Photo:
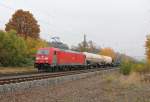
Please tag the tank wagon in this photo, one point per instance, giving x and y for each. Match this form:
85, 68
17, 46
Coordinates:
55, 59
97, 60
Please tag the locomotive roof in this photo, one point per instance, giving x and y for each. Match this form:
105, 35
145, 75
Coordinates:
70, 51
62, 50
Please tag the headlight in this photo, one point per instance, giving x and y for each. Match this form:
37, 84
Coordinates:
37, 58
46, 58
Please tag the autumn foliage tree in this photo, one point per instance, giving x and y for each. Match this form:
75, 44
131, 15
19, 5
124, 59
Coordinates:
24, 23
86, 46
147, 46
108, 52
34, 44
16, 51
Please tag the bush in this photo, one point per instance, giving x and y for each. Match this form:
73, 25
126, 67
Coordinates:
138, 67
12, 49
125, 67
16, 51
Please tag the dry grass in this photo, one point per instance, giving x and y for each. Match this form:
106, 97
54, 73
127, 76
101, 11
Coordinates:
110, 78
11, 70
132, 79
130, 88
102, 88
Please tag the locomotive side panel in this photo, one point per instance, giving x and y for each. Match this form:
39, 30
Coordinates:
67, 58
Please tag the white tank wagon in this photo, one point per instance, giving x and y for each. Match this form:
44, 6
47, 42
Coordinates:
97, 59
107, 59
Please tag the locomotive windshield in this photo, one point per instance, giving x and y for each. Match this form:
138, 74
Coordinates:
43, 52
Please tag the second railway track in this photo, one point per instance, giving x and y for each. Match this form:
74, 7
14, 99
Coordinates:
23, 78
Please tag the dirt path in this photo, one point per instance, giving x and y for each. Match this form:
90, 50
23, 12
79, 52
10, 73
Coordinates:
106, 88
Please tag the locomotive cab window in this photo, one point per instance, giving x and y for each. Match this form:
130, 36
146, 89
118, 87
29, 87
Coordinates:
43, 52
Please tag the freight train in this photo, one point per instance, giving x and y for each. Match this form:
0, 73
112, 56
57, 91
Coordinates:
55, 59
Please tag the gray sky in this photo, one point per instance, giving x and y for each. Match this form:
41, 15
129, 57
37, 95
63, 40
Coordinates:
120, 24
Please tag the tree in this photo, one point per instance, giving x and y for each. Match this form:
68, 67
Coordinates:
12, 49
33, 45
24, 23
56, 42
82, 46
86, 46
108, 52
147, 46
92, 47
59, 45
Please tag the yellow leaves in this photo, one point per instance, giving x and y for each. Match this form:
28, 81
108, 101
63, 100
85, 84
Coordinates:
34, 44
147, 46
108, 52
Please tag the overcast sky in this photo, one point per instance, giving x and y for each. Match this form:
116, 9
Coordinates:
120, 24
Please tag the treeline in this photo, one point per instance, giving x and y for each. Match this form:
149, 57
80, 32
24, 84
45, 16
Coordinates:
91, 47
20, 40
17, 51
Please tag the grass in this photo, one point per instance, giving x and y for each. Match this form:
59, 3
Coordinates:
109, 78
131, 88
133, 80
15, 70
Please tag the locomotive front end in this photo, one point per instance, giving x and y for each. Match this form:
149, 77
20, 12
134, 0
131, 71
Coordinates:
42, 59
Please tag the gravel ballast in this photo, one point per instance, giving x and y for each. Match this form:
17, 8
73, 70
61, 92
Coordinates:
12, 87
99, 88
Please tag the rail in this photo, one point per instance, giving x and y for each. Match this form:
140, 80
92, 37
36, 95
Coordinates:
22, 78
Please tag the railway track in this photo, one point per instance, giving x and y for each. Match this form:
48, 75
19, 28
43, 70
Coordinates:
23, 78
17, 74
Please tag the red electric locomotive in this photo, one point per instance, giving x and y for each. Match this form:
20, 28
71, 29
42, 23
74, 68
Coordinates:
54, 59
